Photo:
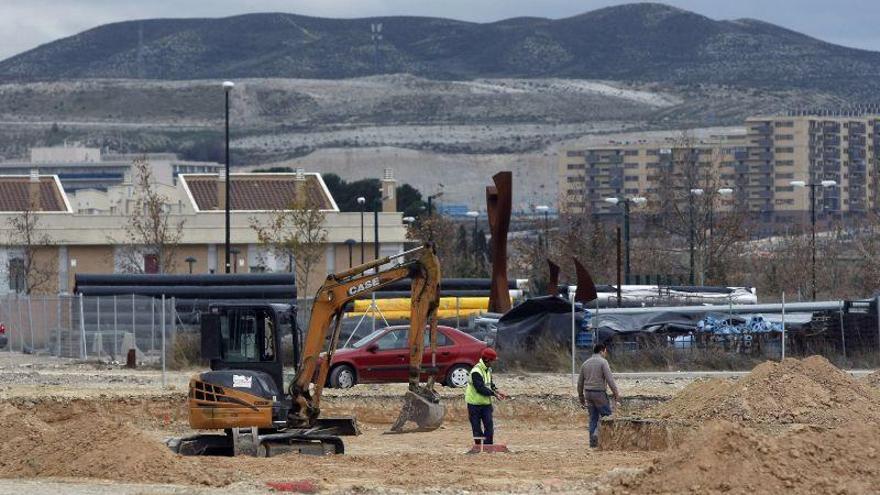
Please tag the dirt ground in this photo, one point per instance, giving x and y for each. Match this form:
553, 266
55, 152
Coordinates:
91, 428
73, 427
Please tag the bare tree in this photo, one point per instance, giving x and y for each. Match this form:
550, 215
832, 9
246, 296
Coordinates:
150, 230
24, 233
687, 207
295, 233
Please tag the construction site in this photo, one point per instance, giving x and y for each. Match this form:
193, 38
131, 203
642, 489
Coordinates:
793, 427
230, 383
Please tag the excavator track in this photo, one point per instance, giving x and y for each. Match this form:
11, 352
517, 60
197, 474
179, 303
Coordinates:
244, 442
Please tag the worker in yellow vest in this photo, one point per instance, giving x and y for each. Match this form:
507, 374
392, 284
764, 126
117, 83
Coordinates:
478, 395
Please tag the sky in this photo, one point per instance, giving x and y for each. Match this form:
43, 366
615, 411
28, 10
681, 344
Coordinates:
26, 24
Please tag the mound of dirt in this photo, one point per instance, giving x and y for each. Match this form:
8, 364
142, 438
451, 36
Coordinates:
809, 391
872, 380
730, 458
17, 422
93, 446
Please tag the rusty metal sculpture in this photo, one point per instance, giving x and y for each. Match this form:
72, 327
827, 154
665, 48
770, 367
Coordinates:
499, 203
553, 283
586, 289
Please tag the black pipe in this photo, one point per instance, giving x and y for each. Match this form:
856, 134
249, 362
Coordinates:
282, 292
86, 279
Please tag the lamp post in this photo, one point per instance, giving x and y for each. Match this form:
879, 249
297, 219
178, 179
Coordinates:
235, 252
430, 212
362, 201
350, 243
692, 235
636, 200
475, 215
190, 260
227, 88
813, 186
546, 211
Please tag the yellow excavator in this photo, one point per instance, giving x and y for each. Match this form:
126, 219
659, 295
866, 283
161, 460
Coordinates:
241, 395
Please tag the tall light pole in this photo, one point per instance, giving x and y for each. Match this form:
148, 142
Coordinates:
362, 201
350, 243
227, 88
637, 200
475, 215
546, 211
693, 230
813, 186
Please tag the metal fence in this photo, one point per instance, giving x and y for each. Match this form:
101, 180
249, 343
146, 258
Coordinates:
105, 327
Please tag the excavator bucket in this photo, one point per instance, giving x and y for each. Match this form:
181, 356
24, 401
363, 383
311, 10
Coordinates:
424, 409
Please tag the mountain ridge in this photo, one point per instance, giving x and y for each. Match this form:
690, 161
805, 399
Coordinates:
644, 42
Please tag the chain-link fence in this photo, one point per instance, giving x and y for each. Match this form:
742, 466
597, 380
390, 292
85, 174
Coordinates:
105, 327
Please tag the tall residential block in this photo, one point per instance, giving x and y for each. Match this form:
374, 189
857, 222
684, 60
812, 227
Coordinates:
758, 164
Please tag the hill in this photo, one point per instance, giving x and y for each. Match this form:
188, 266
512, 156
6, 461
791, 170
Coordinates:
635, 42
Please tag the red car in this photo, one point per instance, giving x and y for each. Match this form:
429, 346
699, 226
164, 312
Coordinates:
383, 357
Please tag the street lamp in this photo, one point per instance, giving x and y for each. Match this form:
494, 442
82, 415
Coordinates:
813, 186
227, 88
693, 230
190, 260
475, 215
350, 243
546, 210
362, 201
235, 252
637, 200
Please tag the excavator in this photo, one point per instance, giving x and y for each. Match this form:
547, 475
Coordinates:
241, 395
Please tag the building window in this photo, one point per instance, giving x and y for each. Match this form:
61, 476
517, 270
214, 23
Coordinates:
576, 166
631, 153
151, 263
631, 178
575, 153
784, 162
784, 137
785, 150
17, 275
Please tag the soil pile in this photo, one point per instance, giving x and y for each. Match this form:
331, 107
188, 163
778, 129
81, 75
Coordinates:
872, 380
810, 391
17, 422
93, 446
734, 459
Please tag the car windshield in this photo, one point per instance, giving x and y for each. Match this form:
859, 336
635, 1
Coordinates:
366, 340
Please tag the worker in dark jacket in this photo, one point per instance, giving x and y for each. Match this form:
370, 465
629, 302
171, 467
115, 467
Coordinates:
478, 395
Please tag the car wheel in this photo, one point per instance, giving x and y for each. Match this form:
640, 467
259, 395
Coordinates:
458, 376
342, 376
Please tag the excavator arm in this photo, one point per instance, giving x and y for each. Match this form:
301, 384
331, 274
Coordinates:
423, 268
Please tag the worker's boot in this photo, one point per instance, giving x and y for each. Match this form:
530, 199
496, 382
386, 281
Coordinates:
594, 441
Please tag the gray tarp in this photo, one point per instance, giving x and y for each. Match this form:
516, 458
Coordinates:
550, 318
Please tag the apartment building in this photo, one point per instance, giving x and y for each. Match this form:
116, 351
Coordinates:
758, 164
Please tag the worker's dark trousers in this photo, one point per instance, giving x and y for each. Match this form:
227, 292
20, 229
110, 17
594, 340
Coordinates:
481, 423
598, 405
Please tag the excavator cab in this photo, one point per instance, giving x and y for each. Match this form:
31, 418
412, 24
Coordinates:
244, 390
